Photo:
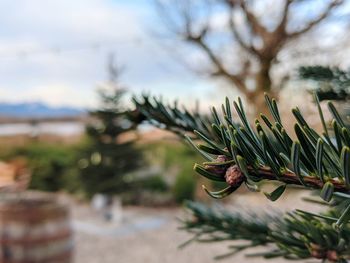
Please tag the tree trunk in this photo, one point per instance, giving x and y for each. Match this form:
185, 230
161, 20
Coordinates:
263, 84
263, 81
256, 99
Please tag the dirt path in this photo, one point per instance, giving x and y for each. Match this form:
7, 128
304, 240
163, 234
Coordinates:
151, 236
157, 243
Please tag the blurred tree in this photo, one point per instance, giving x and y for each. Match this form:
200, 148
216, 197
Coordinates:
255, 31
111, 155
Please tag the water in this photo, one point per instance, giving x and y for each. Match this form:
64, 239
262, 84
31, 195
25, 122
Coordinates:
66, 128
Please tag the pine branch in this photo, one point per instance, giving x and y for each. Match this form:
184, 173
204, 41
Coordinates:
291, 178
334, 83
238, 153
250, 155
171, 118
297, 235
215, 225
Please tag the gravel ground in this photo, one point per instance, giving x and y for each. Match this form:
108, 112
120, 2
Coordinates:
151, 235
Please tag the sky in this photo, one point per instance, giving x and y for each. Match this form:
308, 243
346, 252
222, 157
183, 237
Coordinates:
56, 51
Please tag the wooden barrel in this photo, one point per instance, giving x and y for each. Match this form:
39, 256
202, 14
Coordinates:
34, 229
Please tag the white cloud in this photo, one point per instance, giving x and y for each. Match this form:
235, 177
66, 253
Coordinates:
59, 76
33, 68
76, 20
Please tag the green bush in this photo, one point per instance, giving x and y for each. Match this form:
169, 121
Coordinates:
151, 190
53, 166
184, 186
154, 183
175, 160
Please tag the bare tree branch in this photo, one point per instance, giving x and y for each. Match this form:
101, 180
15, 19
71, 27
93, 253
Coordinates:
281, 28
220, 69
333, 4
199, 39
253, 21
246, 46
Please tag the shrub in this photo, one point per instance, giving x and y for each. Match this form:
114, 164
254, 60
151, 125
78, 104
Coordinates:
154, 183
53, 166
184, 187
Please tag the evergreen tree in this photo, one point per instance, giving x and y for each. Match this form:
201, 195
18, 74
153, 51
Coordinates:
110, 155
238, 153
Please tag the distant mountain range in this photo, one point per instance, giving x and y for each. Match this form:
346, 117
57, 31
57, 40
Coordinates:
37, 110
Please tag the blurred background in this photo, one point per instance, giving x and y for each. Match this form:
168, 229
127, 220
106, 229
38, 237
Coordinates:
69, 71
